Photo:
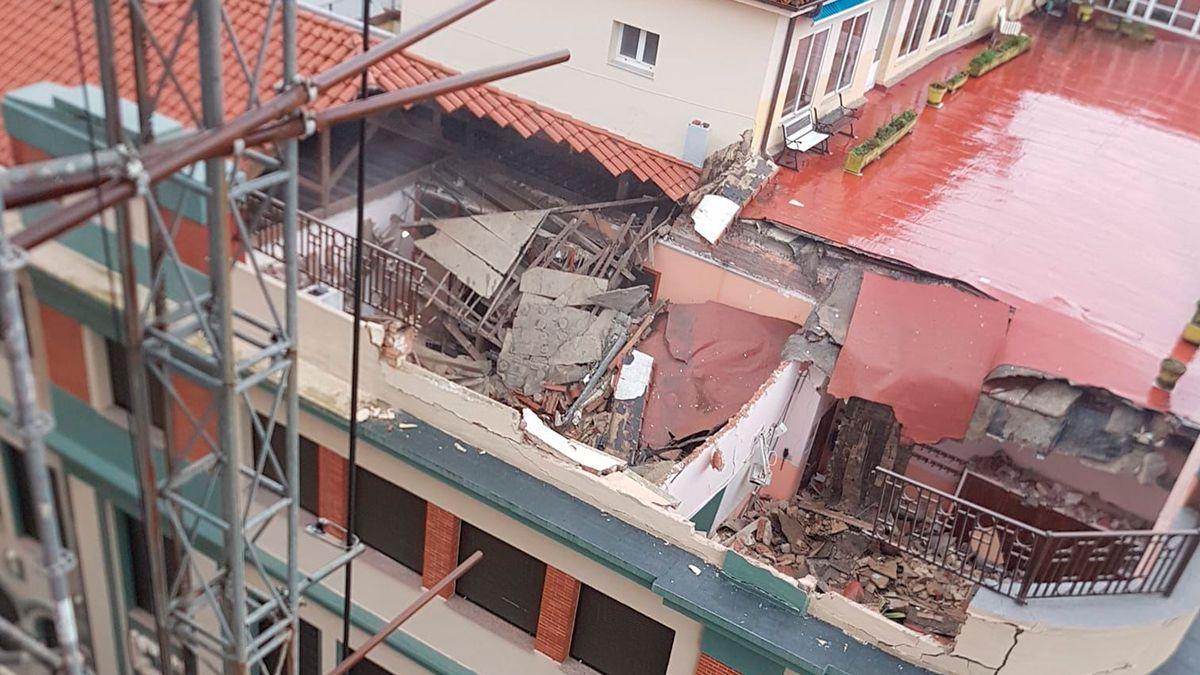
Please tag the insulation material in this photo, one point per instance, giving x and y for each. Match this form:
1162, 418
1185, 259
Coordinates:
709, 359
922, 349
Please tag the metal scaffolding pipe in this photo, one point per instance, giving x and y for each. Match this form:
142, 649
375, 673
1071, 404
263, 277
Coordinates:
430, 593
115, 190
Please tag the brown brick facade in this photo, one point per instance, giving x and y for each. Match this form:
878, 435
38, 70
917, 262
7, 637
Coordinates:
331, 485
441, 547
556, 619
707, 665
63, 343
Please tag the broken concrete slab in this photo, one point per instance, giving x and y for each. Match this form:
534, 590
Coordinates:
622, 299
566, 288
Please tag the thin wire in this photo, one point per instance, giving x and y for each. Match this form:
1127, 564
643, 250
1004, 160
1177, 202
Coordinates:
352, 459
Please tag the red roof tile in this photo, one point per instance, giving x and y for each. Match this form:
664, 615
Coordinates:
36, 44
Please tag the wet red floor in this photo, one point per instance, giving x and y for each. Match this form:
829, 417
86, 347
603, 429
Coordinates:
1066, 183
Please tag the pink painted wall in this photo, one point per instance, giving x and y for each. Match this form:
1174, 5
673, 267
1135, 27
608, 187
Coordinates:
1122, 489
687, 279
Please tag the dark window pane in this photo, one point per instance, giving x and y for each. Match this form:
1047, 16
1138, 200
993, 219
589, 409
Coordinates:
308, 461
507, 582
118, 377
629, 41
310, 649
650, 54
390, 519
139, 562
615, 639
24, 511
369, 667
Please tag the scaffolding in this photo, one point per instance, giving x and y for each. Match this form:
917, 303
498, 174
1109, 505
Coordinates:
206, 484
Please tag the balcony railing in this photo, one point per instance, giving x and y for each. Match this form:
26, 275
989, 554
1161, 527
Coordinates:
326, 256
1020, 561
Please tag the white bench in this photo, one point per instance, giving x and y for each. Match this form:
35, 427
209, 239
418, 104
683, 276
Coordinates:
800, 134
1004, 26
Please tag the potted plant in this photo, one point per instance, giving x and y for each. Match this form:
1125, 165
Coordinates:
1107, 24
981, 63
885, 137
956, 81
937, 91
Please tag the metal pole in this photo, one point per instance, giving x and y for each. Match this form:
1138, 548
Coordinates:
32, 426
355, 337
291, 200
140, 416
233, 596
422, 600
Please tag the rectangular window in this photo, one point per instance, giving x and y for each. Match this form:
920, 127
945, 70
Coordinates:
24, 511
390, 520
122, 392
308, 460
368, 667
969, 12
810, 54
845, 57
310, 649
915, 29
507, 582
142, 593
943, 18
636, 47
613, 638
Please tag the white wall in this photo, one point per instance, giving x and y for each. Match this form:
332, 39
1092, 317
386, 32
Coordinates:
715, 61
698, 481
895, 67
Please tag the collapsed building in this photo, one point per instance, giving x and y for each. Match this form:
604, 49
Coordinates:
782, 442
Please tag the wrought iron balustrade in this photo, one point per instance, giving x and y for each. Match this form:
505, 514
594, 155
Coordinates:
326, 256
1018, 560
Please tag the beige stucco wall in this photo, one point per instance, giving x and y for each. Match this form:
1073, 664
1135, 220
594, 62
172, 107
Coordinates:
714, 61
893, 67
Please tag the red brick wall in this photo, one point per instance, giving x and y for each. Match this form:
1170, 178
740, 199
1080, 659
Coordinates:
23, 153
332, 475
707, 665
183, 431
556, 619
63, 346
441, 547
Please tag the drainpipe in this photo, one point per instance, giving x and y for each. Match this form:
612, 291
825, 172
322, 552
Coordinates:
787, 49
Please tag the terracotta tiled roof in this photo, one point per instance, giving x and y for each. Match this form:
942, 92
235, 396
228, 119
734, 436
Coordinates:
37, 43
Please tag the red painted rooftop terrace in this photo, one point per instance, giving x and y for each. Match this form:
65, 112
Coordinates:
1063, 183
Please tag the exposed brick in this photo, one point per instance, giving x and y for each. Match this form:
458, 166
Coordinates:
23, 153
707, 665
331, 485
199, 403
441, 547
63, 346
556, 619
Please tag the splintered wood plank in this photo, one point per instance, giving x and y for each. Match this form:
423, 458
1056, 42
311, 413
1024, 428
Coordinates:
495, 251
465, 265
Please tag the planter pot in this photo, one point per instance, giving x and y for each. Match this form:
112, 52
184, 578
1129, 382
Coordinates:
953, 85
856, 163
935, 96
1083, 13
1002, 57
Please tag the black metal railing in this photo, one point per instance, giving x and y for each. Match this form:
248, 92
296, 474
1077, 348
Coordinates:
1018, 560
326, 256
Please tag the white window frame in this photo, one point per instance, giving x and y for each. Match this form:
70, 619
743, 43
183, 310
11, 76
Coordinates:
970, 12
837, 70
943, 21
910, 43
808, 56
636, 63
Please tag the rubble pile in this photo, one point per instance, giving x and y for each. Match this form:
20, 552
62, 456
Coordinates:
1039, 491
800, 539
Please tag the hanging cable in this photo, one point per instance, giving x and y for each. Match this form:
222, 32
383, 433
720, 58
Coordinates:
352, 450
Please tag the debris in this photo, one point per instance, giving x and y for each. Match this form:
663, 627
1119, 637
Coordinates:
695, 570
564, 288
460, 447
586, 457
625, 300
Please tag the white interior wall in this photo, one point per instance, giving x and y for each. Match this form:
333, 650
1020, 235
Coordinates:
695, 484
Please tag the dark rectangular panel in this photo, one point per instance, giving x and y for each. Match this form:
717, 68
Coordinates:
390, 519
617, 640
118, 377
310, 649
507, 582
308, 461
